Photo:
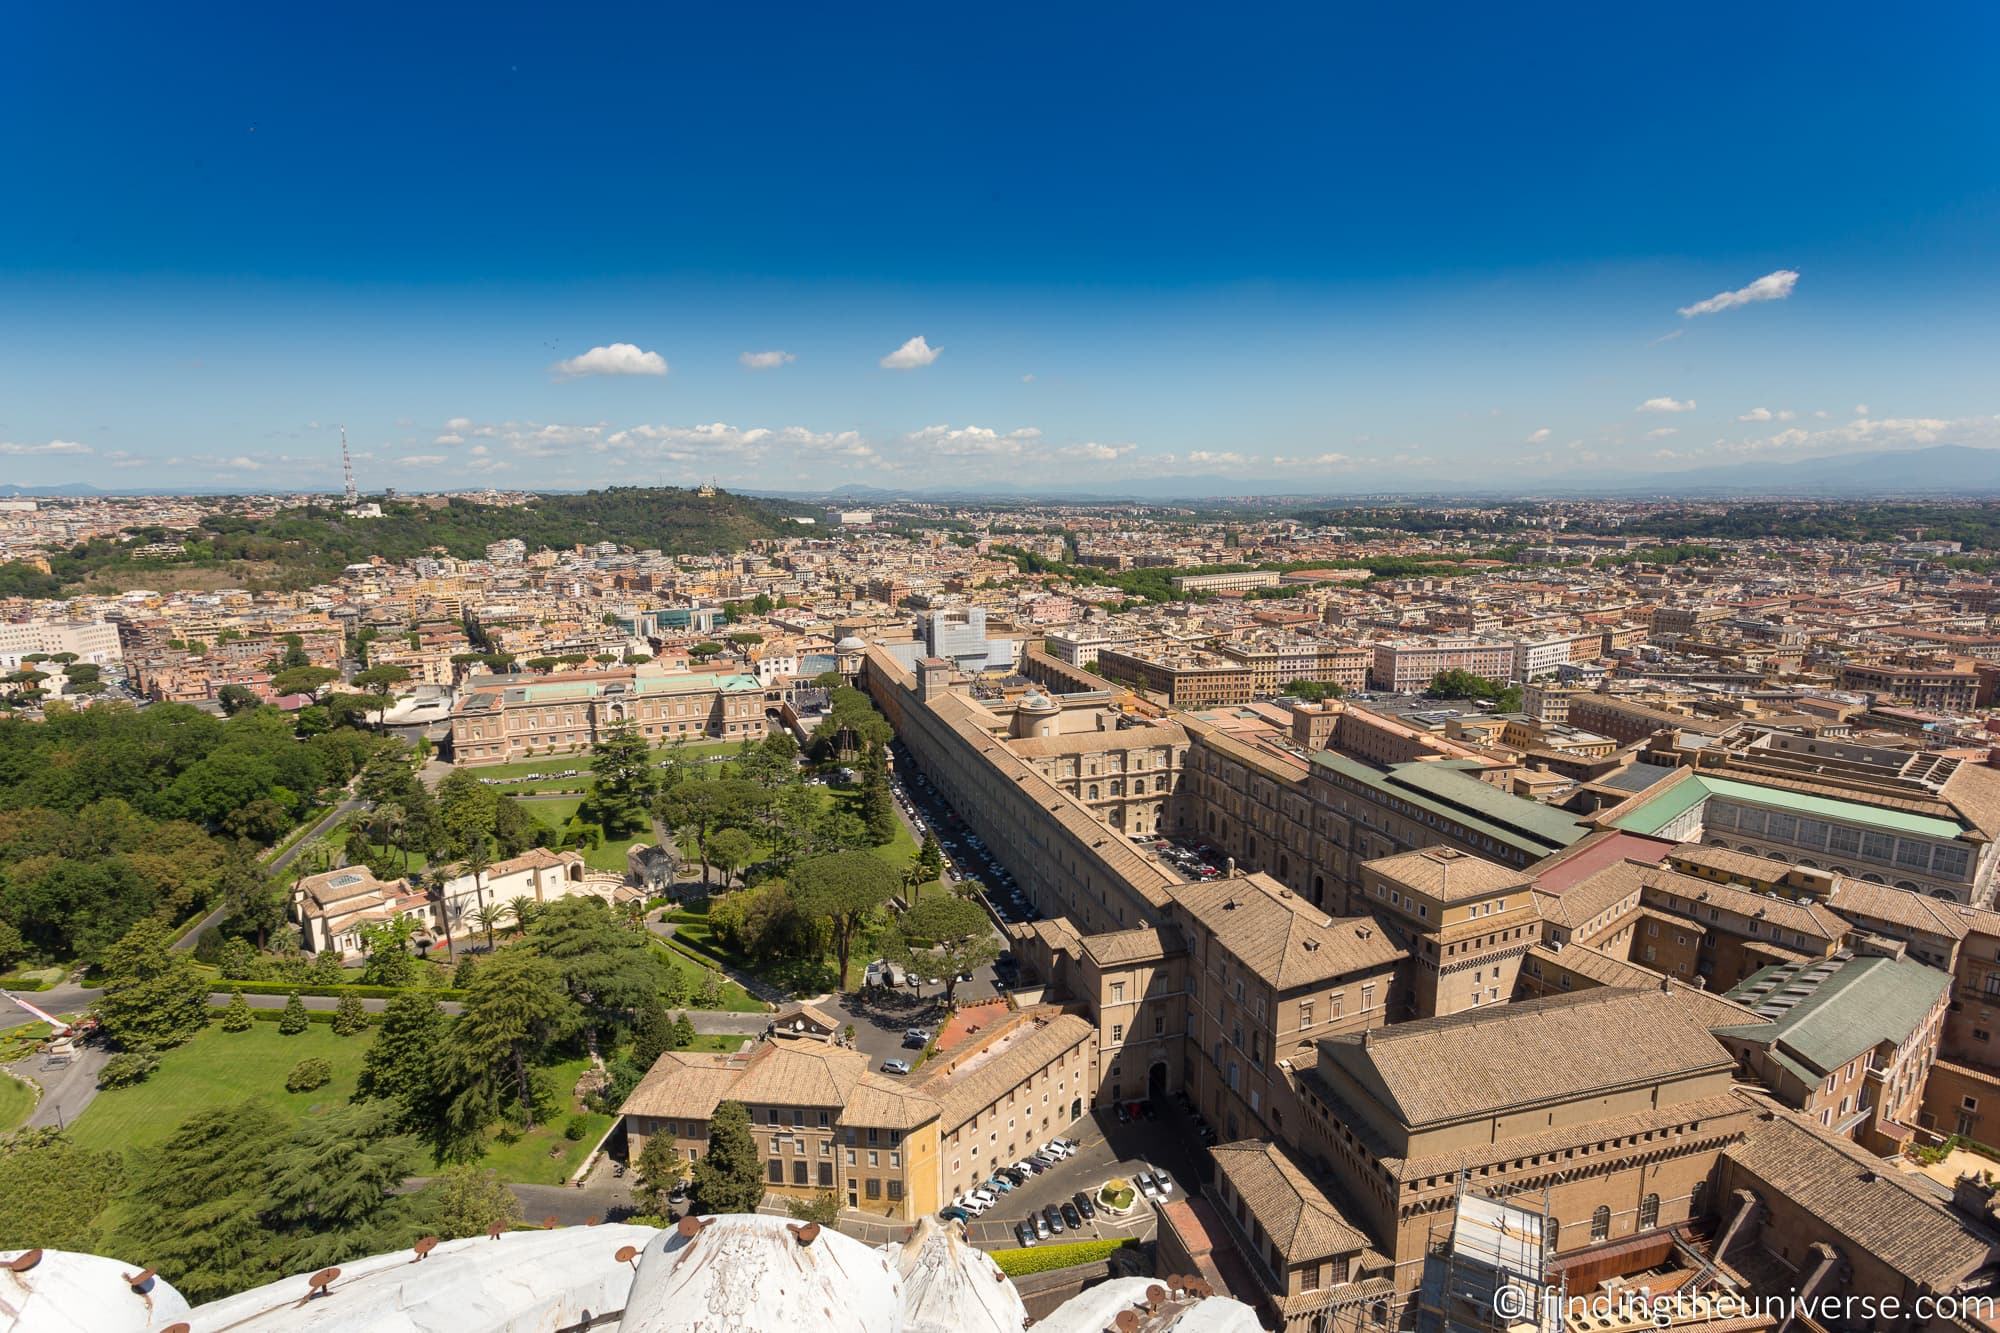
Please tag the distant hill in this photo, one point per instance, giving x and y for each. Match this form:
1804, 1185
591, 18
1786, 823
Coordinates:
1946, 468
300, 547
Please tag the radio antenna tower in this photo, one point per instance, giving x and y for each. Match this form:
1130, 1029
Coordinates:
347, 469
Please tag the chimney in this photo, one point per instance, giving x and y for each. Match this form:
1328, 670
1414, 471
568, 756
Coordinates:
1229, 867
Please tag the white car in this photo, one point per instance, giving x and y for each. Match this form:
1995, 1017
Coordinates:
1164, 1181
1146, 1185
983, 1198
1058, 1147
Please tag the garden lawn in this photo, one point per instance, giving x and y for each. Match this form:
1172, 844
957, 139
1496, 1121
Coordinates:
17, 1099
607, 855
539, 769
542, 1155
220, 1068
735, 999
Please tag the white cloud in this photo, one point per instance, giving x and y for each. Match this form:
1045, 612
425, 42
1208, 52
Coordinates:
911, 355
1028, 378
1766, 414
961, 441
1662, 432
449, 437
459, 424
420, 460
1861, 409
1665, 405
765, 360
11, 450
748, 445
1771, 287
1093, 452
1539, 436
615, 359
1205, 458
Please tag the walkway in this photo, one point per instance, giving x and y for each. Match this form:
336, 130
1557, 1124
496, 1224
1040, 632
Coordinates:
192, 935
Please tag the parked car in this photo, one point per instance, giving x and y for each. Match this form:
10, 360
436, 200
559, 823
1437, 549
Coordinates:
1054, 1219
916, 1038
998, 1183
984, 1198
1144, 1180
1124, 1116
1058, 1147
1041, 1225
1024, 1234
1083, 1204
953, 1213
895, 1066
1072, 1216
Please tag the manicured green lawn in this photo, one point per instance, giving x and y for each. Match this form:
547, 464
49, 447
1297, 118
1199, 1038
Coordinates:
715, 1041
216, 1069
542, 1155
17, 1099
734, 998
580, 761
608, 855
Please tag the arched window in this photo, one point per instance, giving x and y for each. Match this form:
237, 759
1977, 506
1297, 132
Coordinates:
1551, 1233
1649, 1212
1093, 791
1697, 1197
1600, 1223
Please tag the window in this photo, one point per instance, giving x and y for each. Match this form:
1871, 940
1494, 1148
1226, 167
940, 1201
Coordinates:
775, 1169
1117, 1032
1117, 992
1600, 1223
1649, 1212
874, 1188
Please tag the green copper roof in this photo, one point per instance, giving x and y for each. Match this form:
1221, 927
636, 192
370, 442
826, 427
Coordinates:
1825, 1012
1669, 805
1445, 790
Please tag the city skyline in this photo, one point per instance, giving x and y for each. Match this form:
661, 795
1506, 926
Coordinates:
1325, 253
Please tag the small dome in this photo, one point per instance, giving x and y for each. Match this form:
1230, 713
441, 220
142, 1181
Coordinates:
1034, 701
849, 644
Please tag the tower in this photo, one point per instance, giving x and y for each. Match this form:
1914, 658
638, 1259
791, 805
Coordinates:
347, 469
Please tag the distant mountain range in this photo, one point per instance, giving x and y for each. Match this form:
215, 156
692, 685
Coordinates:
1944, 469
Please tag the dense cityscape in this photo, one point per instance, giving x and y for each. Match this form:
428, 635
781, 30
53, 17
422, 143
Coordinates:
1270, 903
680, 668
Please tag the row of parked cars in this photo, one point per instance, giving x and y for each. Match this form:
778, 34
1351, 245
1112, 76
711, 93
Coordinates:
964, 849
1007, 1179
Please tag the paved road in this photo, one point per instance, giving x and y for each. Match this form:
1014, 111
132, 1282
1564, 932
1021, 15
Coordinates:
277, 866
65, 1091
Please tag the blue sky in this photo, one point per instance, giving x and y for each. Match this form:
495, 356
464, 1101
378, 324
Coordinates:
1328, 247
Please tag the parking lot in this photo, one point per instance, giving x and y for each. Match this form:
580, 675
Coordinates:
1106, 1149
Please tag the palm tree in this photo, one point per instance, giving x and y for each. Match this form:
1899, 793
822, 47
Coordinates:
476, 860
434, 889
522, 909
486, 918
390, 819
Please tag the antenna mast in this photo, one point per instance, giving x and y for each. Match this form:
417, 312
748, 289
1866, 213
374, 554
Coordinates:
347, 469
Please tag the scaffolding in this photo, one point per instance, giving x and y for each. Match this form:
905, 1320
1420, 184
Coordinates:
1489, 1272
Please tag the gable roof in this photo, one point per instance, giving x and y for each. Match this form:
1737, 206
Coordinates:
1824, 1012
1864, 1200
1282, 937
1298, 1217
1558, 1048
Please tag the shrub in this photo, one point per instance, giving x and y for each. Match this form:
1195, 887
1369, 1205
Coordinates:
334, 992
349, 1017
127, 1069
1047, 1258
236, 1015
578, 1126
309, 1074
294, 1020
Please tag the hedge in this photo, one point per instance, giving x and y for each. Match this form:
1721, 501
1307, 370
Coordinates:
1047, 1258
222, 987
25, 983
273, 1015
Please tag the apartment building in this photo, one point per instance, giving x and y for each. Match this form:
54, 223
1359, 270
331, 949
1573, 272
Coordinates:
1242, 581
1187, 678
1277, 661
1078, 645
92, 641
1408, 666
1943, 689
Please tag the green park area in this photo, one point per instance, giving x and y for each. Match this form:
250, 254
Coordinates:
17, 1099
217, 1069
